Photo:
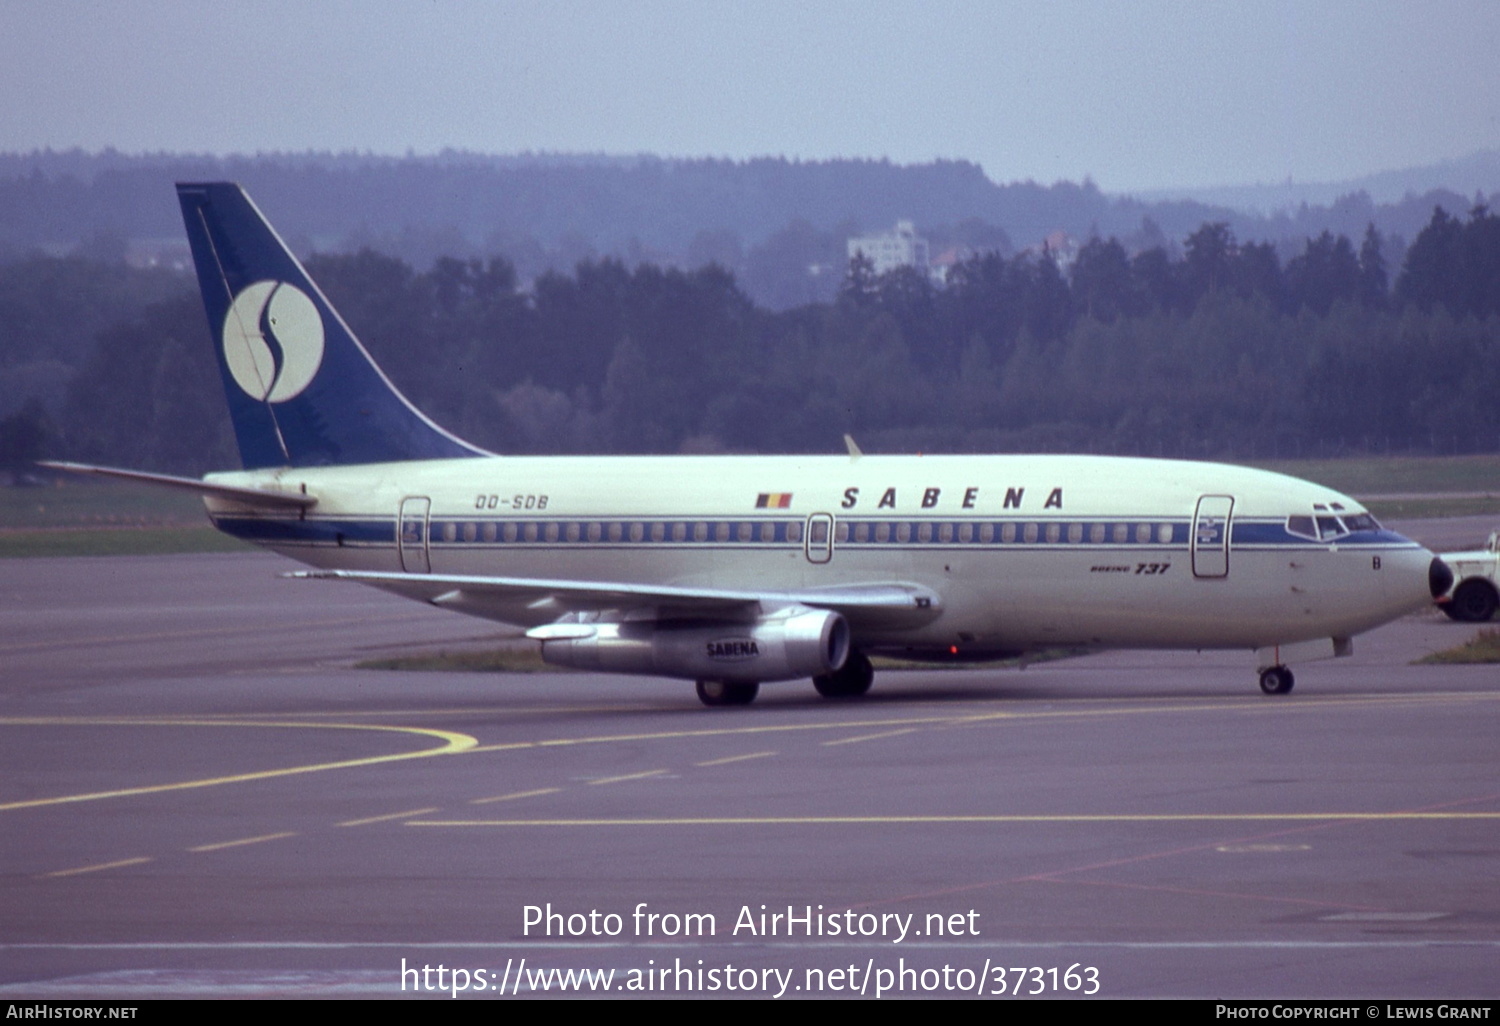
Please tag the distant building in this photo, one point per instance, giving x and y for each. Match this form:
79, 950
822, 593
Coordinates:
169, 253
946, 260
1059, 247
890, 250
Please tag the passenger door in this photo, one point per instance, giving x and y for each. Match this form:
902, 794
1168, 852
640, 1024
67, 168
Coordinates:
1210, 540
819, 543
411, 534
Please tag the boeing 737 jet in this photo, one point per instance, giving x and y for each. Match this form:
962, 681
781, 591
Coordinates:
733, 571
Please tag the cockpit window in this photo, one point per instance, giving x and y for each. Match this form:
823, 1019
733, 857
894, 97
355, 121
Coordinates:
1301, 526
1329, 527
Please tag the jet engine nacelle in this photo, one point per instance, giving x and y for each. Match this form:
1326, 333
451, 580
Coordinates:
782, 646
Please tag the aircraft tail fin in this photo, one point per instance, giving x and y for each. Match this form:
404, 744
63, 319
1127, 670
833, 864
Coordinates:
302, 390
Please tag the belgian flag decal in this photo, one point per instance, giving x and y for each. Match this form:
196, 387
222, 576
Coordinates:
773, 500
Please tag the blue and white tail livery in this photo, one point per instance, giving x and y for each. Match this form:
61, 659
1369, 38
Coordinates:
302, 391
733, 571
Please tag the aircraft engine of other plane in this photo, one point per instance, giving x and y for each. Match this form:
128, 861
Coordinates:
784, 645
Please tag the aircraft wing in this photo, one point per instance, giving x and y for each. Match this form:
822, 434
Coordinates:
251, 496
534, 601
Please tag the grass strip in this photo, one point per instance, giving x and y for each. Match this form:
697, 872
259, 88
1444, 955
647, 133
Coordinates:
118, 541
1483, 647
498, 660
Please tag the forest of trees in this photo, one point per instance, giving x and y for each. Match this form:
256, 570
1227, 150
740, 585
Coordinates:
1224, 351
779, 225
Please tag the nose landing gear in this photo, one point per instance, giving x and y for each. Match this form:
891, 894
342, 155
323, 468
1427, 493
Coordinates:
1276, 680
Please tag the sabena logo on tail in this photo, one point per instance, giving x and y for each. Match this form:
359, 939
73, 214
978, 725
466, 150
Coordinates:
273, 341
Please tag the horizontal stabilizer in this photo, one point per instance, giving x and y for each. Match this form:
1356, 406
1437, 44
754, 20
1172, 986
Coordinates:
251, 496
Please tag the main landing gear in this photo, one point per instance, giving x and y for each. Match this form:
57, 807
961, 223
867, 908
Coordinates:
1276, 680
849, 681
727, 692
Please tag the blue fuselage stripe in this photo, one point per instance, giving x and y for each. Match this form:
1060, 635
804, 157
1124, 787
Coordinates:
752, 533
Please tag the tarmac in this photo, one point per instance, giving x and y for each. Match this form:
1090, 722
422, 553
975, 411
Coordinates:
199, 796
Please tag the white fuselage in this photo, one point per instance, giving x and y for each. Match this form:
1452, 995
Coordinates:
1024, 551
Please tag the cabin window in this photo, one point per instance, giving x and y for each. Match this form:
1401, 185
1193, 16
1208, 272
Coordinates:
1075, 533
616, 532
1142, 533
882, 532
1096, 534
903, 532
1164, 533
595, 531
471, 532
794, 531
529, 532
1121, 534
510, 532
1029, 533
966, 532
700, 532
489, 531
924, 532
841, 533
1007, 532
658, 531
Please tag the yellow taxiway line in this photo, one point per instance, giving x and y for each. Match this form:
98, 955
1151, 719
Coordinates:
453, 743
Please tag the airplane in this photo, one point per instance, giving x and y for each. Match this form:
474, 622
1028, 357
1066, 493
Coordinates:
734, 571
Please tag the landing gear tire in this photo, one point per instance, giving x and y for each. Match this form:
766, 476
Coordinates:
1472, 602
727, 692
849, 681
1277, 680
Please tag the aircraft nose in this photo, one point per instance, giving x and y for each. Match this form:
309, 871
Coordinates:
1414, 575
1439, 577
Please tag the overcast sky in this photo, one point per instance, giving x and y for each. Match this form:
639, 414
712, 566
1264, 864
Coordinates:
1136, 94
